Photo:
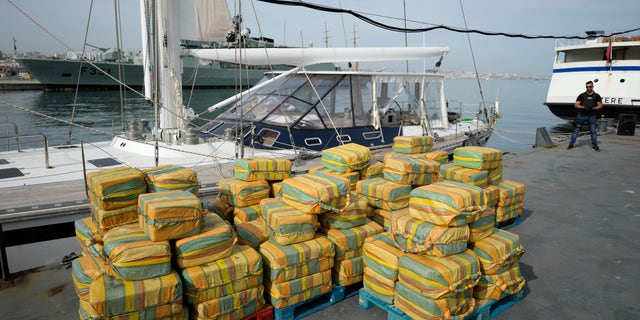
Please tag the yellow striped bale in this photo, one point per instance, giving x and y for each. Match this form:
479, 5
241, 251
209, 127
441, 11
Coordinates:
378, 286
498, 286
316, 193
171, 177
240, 193
132, 256
115, 188
439, 277
373, 170
262, 169
288, 293
349, 242
246, 214
215, 241
473, 177
84, 271
348, 271
219, 207
242, 303
418, 236
170, 215
440, 156
284, 263
511, 192
498, 252
108, 219
446, 203
253, 233
482, 226
415, 171
346, 158
381, 254
288, 225
239, 271
476, 157
417, 306
412, 144
353, 215
110, 296
384, 194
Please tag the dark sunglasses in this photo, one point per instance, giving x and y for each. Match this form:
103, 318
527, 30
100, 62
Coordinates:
589, 86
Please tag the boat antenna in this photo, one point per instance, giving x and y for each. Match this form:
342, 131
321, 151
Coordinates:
473, 58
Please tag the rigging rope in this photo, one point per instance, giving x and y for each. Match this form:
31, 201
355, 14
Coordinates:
435, 27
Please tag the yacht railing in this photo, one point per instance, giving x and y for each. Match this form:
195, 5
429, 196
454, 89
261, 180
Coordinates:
30, 135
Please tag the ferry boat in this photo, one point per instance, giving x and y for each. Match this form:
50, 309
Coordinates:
612, 63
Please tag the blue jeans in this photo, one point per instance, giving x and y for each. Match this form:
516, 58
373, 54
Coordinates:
580, 119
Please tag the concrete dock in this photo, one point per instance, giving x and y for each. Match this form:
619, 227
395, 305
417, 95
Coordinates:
579, 226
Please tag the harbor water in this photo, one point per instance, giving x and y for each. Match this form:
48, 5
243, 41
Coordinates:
99, 112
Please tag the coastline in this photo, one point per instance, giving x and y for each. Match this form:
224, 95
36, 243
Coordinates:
19, 85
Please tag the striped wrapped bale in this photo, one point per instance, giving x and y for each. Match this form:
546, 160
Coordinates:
412, 144
247, 311
110, 296
241, 303
500, 285
285, 263
498, 252
219, 207
316, 193
353, 215
384, 194
419, 236
373, 170
84, 271
108, 219
411, 170
239, 193
167, 311
239, 271
115, 188
495, 175
132, 256
511, 193
417, 306
381, 217
352, 176
276, 189
446, 203
349, 242
439, 277
170, 177
482, 226
289, 293
381, 254
475, 157
492, 194
246, 214
215, 241
170, 215
89, 237
378, 286
347, 157
253, 233
510, 212
288, 225
473, 177
348, 271
262, 169
440, 156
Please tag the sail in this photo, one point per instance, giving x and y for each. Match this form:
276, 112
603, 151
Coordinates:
308, 56
203, 20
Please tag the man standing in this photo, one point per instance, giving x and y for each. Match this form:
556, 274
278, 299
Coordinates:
587, 103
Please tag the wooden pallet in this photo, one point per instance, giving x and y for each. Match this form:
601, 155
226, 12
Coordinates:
315, 304
486, 311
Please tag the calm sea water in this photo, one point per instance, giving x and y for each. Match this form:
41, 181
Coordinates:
521, 107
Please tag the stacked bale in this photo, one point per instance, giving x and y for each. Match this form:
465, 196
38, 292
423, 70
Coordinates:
499, 256
297, 272
170, 177
510, 200
127, 269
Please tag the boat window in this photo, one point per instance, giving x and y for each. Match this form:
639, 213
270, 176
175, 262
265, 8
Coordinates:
371, 135
344, 138
266, 137
313, 142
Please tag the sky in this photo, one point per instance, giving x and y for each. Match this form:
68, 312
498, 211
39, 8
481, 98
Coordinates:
66, 21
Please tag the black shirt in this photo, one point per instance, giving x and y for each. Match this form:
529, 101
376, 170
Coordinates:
589, 102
